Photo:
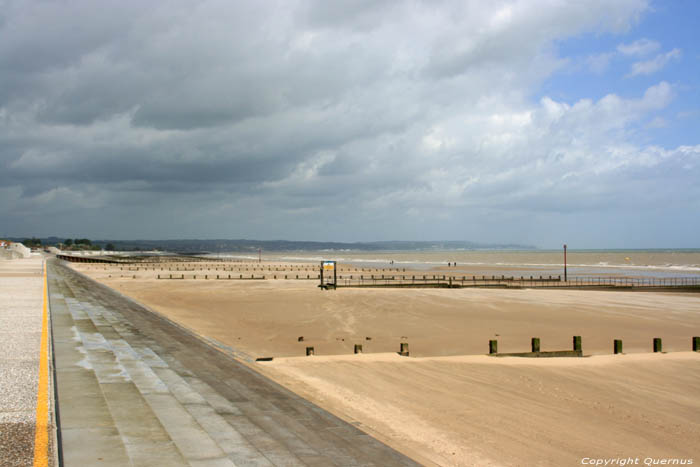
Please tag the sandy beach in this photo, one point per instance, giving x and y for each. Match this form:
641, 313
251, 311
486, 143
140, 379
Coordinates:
480, 411
265, 318
449, 404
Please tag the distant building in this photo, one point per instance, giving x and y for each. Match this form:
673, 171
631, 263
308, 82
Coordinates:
12, 250
21, 250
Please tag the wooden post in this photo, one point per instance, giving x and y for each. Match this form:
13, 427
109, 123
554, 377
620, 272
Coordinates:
577, 344
617, 346
696, 344
309, 351
535, 344
493, 346
657, 344
358, 348
404, 349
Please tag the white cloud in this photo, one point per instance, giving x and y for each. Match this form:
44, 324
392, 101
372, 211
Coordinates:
639, 47
657, 63
600, 62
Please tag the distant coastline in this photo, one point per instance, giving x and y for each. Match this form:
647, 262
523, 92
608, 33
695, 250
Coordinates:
196, 246
213, 246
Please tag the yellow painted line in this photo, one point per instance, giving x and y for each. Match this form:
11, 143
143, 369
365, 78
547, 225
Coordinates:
41, 437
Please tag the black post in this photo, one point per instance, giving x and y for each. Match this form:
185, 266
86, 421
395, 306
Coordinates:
565, 278
493, 346
617, 346
577, 344
535, 344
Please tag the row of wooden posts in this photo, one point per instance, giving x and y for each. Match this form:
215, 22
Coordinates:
617, 345
535, 346
269, 268
241, 276
403, 349
424, 277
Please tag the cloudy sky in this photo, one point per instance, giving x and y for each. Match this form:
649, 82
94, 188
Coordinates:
536, 122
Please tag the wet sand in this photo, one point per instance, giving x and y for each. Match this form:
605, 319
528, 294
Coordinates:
499, 411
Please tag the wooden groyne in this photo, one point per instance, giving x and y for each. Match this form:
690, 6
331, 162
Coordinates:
86, 259
535, 349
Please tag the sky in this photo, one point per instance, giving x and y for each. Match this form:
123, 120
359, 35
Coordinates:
536, 122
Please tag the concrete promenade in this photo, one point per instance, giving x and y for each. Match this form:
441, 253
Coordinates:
22, 420
135, 389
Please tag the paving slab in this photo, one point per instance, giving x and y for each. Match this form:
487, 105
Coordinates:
102, 446
21, 321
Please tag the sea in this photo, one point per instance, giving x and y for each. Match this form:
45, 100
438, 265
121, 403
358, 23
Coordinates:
651, 263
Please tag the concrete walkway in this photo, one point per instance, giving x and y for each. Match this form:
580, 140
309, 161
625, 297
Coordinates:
21, 314
134, 389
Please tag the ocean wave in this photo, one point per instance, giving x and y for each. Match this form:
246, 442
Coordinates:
443, 262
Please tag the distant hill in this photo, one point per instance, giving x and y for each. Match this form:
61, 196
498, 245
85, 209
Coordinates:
242, 245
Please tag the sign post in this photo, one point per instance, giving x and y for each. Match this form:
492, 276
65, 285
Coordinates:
328, 275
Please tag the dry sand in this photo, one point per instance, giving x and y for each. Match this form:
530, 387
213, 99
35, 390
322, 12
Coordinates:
480, 410
484, 410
